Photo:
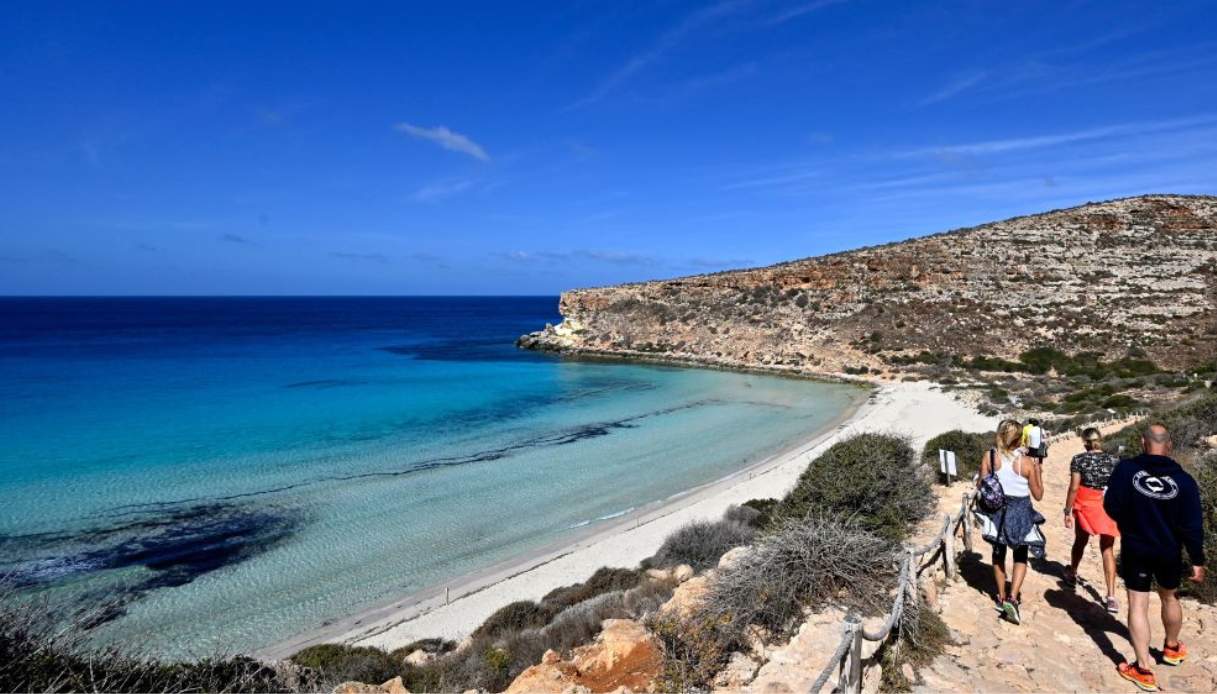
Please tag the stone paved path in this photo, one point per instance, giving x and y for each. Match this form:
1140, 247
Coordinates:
1067, 641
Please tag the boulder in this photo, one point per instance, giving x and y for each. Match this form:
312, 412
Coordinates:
683, 573
419, 657
623, 655
732, 557
738, 672
356, 688
394, 686
686, 597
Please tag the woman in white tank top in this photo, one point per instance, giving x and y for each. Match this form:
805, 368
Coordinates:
1016, 520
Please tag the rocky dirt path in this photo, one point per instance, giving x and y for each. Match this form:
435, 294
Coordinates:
1067, 641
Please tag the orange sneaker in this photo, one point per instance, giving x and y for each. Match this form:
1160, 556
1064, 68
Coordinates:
1176, 655
1144, 679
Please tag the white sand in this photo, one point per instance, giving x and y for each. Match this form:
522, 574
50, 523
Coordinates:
920, 410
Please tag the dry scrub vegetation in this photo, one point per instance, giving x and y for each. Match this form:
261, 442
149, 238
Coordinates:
834, 540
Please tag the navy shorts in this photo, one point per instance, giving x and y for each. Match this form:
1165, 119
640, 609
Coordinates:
1140, 571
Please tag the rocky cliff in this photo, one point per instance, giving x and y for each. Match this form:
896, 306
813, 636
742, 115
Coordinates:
1135, 274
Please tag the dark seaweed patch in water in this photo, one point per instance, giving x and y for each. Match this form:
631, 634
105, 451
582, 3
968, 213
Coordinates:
176, 547
468, 350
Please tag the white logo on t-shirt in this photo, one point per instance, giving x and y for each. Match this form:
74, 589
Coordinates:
1160, 488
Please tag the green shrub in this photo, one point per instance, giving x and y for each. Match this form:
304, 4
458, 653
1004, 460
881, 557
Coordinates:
969, 448
515, 616
871, 477
605, 580
984, 363
700, 544
1205, 471
1188, 422
338, 662
435, 646
765, 509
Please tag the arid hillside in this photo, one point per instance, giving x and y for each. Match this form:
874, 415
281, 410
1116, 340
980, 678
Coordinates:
1132, 276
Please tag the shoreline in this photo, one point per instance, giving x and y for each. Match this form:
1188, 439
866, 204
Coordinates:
452, 610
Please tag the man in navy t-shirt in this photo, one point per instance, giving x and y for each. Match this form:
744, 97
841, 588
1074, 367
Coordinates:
1156, 505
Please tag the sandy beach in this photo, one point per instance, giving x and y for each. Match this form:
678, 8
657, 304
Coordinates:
917, 409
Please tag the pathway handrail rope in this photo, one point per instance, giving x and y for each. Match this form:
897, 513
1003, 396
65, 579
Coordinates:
848, 655
847, 658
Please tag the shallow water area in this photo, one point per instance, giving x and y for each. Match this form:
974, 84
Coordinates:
214, 475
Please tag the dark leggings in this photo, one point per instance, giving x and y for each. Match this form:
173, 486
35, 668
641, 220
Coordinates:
999, 555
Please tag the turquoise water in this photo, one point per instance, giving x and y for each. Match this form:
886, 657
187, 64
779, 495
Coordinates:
215, 475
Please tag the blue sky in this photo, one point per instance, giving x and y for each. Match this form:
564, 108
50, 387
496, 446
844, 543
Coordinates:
516, 148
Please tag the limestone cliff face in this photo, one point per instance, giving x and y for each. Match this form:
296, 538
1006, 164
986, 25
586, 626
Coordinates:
1106, 277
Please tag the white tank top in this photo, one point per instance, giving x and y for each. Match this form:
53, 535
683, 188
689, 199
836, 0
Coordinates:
1009, 467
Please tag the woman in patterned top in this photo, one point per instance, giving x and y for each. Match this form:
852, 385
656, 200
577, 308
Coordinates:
1084, 511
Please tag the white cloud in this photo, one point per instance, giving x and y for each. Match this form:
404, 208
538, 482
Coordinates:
445, 138
960, 84
1039, 141
440, 190
800, 10
669, 40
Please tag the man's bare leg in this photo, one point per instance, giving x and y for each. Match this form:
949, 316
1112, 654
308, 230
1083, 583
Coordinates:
1138, 626
1172, 615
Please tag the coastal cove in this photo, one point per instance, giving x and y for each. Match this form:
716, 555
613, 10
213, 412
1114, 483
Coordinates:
918, 410
278, 465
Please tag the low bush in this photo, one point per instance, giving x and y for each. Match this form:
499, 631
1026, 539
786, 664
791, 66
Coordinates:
433, 646
1205, 471
515, 616
764, 509
969, 447
700, 544
341, 663
921, 638
874, 478
1189, 423
805, 563
605, 580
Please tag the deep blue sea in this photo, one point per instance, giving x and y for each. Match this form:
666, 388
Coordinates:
205, 475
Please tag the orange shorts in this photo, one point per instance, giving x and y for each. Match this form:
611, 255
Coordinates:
1089, 514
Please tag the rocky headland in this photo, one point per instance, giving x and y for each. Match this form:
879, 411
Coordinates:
1129, 276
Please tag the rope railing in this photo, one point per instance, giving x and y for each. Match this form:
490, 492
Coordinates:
847, 659
1106, 421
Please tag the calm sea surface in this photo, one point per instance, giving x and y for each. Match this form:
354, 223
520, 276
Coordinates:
205, 475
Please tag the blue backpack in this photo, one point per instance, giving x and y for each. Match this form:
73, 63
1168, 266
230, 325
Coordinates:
990, 498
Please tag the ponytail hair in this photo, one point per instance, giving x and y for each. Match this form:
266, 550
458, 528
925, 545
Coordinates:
1009, 436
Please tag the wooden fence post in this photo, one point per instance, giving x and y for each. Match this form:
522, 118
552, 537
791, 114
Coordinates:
967, 525
948, 552
851, 680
